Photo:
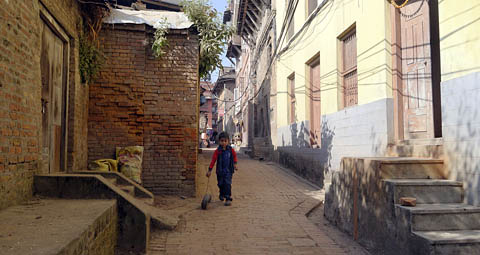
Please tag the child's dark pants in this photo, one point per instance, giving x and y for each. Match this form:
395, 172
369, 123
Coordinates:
224, 180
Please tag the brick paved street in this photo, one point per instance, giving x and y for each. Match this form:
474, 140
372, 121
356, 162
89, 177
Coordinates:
267, 217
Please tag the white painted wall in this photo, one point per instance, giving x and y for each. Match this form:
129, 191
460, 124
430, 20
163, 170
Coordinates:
461, 132
359, 131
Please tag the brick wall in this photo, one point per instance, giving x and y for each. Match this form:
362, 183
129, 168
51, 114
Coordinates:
140, 100
20, 94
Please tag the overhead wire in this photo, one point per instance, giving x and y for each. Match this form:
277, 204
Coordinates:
289, 15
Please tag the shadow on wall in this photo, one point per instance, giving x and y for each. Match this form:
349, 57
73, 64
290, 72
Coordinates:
359, 203
310, 163
461, 130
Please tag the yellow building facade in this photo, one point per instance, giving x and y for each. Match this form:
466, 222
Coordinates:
321, 37
380, 43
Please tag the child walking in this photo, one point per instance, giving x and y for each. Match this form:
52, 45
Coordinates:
226, 159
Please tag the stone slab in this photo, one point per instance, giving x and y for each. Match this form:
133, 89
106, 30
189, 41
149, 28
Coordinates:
444, 237
297, 242
47, 226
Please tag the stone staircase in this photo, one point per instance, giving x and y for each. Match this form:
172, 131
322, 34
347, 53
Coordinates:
440, 223
421, 148
137, 215
159, 218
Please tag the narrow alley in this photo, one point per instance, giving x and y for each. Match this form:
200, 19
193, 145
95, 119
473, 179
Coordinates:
356, 125
268, 216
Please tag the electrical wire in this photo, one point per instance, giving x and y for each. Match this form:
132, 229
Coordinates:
289, 15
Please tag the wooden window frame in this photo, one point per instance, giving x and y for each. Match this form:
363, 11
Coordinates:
309, 65
345, 72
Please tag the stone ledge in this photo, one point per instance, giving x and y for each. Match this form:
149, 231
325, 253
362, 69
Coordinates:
134, 217
59, 226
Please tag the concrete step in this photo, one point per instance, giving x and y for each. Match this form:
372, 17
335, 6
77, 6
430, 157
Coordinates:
59, 226
441, 217
146, 200
425, 141
427, 191
412, 168
434, 151
121, 179
112, 179
459, 242
129, 189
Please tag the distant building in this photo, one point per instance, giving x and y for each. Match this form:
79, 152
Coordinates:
252, 48
208, 107
224, 89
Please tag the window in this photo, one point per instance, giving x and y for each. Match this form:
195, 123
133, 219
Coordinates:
349, 69
311, 6
315, 101
291, 98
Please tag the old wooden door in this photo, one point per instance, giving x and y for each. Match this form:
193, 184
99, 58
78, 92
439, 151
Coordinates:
417, 70
315, 104
52, 70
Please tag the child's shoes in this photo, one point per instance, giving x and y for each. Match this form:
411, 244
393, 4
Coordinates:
228, 203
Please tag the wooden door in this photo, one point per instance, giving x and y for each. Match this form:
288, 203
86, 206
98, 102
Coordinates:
52, 70
315, 104
417, 70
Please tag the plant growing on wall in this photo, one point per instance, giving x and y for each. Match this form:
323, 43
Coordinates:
213, 33
91, 57
160, 38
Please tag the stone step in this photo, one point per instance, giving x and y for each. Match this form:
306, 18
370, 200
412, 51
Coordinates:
434, 151
425, 141
146, 200
441, 217
129, 189
112, 179
412, 168
139, 191
459, 242
427, 191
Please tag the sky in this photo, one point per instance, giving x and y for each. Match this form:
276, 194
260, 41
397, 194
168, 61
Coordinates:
220, 5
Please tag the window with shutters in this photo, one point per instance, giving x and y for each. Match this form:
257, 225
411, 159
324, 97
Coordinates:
349, 69
291, 98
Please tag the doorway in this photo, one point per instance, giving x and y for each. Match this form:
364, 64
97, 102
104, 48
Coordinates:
54, 73
417, 76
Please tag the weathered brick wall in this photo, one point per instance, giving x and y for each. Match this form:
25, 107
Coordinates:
141, 100
20, 94
117, 95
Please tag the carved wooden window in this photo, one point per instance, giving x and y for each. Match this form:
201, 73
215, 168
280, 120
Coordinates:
349, 74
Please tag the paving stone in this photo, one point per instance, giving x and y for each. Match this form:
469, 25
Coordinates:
301, 242
267, 217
